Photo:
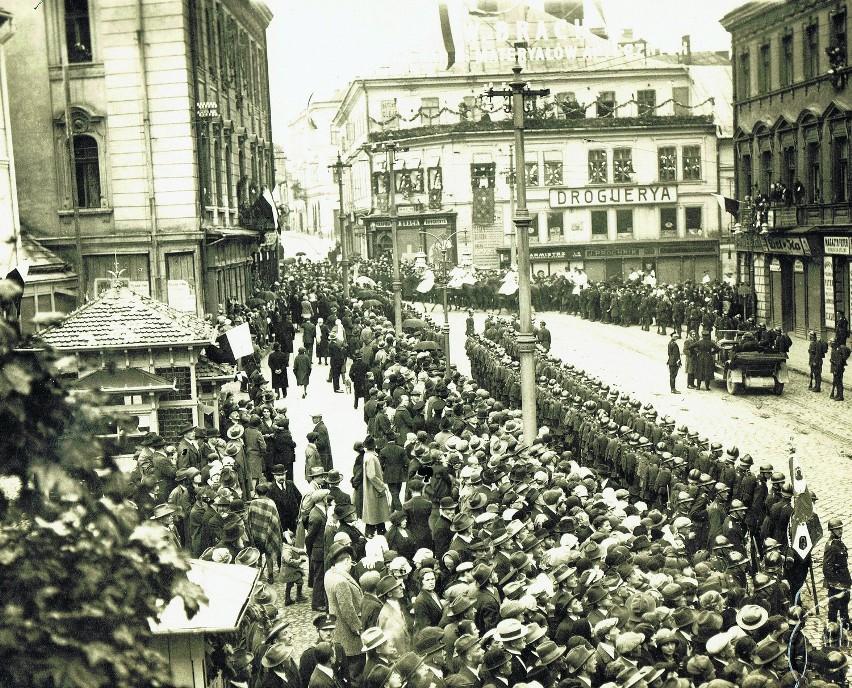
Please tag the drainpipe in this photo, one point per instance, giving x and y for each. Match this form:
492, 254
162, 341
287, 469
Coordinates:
149, 159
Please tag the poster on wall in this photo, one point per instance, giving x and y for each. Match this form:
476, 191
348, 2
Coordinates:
181, 295
828, 290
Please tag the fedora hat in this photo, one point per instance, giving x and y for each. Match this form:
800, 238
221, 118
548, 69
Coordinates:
460, 605
578, 656
407, 665
334, 477
494, 658
338, 550
751, 617
461, 522
386, 584
161, 511
509, 629
371, 638
276, 654
317, 472
428, 640
766, 652
235, 432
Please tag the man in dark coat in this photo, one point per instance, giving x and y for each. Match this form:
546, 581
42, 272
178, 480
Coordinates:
337, 359
323, 441
278, 361
543, 336
287, 498
835, 569
817, 350
309, 336
283, 447
839, 357
394, 469
188, 451
358, 374
417, 510
674, 361
704, 351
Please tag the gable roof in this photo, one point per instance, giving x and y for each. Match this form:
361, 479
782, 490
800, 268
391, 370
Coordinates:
122, 319
123, 380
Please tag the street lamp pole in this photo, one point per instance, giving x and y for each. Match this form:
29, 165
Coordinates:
443, 245
518, 90
338, 168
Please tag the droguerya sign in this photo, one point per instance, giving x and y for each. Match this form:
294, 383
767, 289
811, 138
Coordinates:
612, 195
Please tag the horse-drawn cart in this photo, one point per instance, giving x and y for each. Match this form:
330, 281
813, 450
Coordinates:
748, 369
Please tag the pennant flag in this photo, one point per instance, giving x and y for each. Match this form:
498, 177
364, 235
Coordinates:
239, 340
311, 123
729, 205
447, 34
805, 529
267, 196
18, 277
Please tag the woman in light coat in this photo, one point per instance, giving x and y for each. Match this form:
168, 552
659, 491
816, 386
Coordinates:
376, 510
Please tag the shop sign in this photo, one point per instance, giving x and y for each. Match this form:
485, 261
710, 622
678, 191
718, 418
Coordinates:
837, 246
828, 288
612, 195
775, 265
798, 265
614, 252
790, 246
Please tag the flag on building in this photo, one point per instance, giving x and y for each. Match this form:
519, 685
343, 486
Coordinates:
729, 205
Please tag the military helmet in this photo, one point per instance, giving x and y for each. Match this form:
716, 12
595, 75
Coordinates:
787, 489
721, 542
778, 478
733, 451
772, 559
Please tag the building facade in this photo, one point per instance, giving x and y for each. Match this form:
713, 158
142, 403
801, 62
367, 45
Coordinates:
793, 125
144, 143
621, 158
10, 227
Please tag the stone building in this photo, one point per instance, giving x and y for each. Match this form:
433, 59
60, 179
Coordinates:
143, 141
792, 118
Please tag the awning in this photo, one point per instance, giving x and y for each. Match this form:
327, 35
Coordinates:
124, 381
227, 587
232, 232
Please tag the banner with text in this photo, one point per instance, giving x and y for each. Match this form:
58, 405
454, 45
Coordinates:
612, 195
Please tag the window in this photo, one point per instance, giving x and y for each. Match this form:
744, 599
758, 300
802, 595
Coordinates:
667, 163
668, 222
622, 165
600, 224
533, 230
647, 100
746, 177
217, 172
680, 95
334, 136
838, 32
692, 220
88, 172
552, 172
532, 173
744, 76
606, 104
764, 69
229, 176
691, 162
567, 106
840, 170
471, 111
390, 116
624, 222
598, 167
789, 171
786, 65
78, 33
814, 191
810, 51
555, 225
429, 108
765, 171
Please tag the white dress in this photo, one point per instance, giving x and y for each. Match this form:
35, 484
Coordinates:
510, 284
427, 283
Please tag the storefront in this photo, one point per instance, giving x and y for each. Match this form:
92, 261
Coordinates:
794, 275
837, 277
416, 233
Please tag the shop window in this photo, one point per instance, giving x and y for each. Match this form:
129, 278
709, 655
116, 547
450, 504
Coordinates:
622, 165
606, 104
600, 224
533, 230
552, 172
810, 51
624, 222
691, 163
647, 102
87, 169
555, 225
429, 108
598, 167
785, 67
532, 173
667, 164
814, 180
744, 75
78, 32
840, 171
693, 221
764, 69
680, 95
668, 222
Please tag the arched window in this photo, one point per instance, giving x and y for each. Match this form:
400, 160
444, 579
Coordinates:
78, 34
88, 171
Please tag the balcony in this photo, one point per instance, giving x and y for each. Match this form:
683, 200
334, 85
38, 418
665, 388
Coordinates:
781, 218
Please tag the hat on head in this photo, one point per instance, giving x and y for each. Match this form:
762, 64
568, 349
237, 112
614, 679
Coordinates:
161, 511
509, 629
578, 657
766, 652
428, 641
386, 584
407, 665
371, 638
325, 622
334, 477
751, 617
248, 556
276, 655
338, 551
317, 472
235, 432
278, 469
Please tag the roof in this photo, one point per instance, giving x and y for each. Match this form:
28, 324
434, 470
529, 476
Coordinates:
124, 380
206, 369
43, 264
122, 319
227, 587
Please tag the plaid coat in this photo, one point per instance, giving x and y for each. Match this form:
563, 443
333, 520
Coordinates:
263, 526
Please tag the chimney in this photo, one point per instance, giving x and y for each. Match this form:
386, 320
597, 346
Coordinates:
685, 50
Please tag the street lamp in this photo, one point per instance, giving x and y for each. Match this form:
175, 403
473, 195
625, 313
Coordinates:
390, 148
519, 91
338, 168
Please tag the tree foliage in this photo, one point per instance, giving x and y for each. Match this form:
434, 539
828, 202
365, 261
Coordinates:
80, 575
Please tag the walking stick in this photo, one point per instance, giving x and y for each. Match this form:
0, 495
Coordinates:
813, 584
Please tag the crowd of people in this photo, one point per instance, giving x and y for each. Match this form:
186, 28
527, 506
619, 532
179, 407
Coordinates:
616, 550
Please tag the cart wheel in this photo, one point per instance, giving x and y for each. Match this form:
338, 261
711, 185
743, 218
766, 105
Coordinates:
734, 388
779, 388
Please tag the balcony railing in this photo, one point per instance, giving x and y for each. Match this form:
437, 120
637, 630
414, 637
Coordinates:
781, 217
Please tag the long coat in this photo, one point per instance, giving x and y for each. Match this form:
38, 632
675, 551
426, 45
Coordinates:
395, 623
344, 601
302, 369
323, 443
358, 374
704, 351
376, 509
255, 452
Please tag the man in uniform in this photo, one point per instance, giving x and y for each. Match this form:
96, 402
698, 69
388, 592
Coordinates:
674, 361
835, 570
816, 354
839, 356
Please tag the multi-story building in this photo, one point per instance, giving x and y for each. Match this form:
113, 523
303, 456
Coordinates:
792, 120
621, 158
312, 147
143, 140
10, 227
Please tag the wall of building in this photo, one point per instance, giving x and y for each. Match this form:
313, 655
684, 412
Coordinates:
10, 227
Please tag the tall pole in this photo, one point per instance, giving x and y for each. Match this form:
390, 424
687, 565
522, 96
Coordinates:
446, 328
338, 168
396, 282
519, 91
513, 246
